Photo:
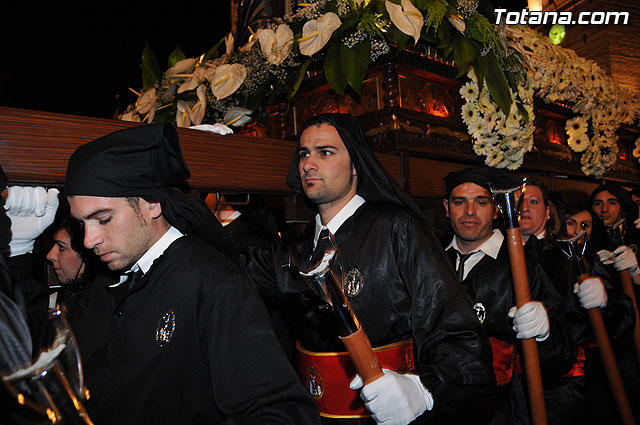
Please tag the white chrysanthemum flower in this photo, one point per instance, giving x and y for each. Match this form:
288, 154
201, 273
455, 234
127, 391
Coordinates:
469, 113
469, 91
576, 126
578, 142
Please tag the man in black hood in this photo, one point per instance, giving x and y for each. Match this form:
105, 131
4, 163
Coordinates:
181, 336
399, 284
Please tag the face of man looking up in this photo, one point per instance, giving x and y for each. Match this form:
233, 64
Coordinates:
471, 212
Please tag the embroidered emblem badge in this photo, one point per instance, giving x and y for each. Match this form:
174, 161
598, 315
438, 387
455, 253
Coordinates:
353, 282
166, 326
481, 312
314, 382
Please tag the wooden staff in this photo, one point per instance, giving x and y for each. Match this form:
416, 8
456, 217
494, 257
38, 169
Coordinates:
626, 282
506, 202
325, 283
601, 336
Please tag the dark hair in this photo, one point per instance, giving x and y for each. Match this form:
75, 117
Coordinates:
628, 208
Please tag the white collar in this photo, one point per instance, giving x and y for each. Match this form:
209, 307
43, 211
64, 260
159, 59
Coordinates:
229, 219
334, 224
156, 250
490, 247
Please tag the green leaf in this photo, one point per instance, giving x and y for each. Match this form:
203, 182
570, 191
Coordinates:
398, 38
296, 84
523, 113
332, 71
175, 57
497, 83
464, 53
150, 68
354, 63
480, 68
213, 52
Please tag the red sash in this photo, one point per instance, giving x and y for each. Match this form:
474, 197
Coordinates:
327, 376
504, 360
578, 367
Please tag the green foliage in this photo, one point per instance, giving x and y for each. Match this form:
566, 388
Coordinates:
354, 63
214, 52
151, 73
298, 81
435, 11
497, 83
175, 57
464, 53
332, 71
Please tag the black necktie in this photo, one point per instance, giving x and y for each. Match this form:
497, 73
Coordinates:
463, 258
132, 278
321, 245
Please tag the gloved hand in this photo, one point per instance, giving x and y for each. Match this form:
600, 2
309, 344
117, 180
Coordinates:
31, 210
214, 128
530, 320
623, 258
394, 398
591, 293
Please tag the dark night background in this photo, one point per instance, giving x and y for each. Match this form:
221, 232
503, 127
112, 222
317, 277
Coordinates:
81, 60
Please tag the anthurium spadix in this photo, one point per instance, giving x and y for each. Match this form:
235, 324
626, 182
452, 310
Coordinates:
227, 79
317, 32
237, 117
276, 45
406, 17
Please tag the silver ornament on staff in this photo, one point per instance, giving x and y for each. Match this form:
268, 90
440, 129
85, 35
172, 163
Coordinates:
325, 279
53, 384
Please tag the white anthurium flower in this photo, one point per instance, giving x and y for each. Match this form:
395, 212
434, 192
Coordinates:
130, 116
196, 78
147, 104
457, 22
227, 79
276, 45
237, 117
317, 32
406, 17
185, 66
198, 110
183, 119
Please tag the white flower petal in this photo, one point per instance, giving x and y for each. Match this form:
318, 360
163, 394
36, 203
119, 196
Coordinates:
317, 32
276, 45
182, 115
406, 17
227, 79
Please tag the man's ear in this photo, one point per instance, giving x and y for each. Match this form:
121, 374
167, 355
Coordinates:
353, 170
155, 209
445, 204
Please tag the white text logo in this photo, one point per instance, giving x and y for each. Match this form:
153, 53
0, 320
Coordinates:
565, 18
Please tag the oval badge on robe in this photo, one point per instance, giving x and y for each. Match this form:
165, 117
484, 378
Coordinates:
166, 326
315, 383
353, 282
481, 312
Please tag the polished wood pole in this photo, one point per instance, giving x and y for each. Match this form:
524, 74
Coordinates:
508, 209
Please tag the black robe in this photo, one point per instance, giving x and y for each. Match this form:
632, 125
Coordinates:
409, 291
221, 363
587, 398
489, 283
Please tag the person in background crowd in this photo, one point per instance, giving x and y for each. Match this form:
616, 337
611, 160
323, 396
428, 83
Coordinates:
615, 307
402, 290
73, 264
182, 336
480, 255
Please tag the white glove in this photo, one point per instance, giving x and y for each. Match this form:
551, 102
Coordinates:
214, 128
530, 321
622, 258
31, 210
591, 293
394, 398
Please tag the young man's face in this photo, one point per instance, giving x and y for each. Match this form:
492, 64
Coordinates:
534, 212
471, 212
607, 207
114, 230
327, 175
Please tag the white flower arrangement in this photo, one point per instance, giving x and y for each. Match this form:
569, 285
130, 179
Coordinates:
502, 140
600, 105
